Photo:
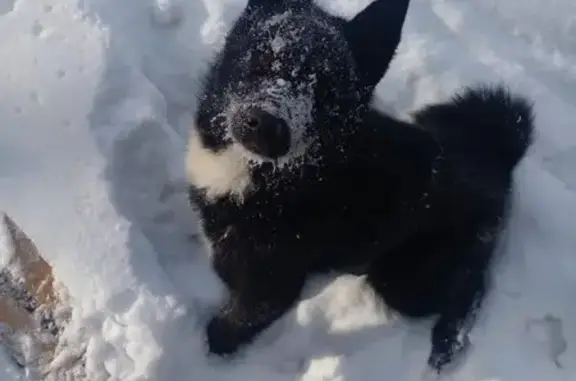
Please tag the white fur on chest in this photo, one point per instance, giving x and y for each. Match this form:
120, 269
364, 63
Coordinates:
218, 174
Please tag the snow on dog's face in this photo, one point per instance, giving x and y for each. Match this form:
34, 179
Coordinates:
286, 82
283, 67
274, 76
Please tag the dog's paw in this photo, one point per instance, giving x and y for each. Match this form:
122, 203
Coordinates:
222, 336
448, 355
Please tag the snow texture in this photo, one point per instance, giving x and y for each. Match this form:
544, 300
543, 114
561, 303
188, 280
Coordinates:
95, 105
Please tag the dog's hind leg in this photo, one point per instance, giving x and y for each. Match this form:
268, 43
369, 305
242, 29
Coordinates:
432, 275
459, 310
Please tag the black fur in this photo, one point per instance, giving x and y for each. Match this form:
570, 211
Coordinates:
419, 205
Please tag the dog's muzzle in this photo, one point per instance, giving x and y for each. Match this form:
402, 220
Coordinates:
261, 132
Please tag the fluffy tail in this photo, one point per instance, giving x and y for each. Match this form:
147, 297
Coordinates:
485, 120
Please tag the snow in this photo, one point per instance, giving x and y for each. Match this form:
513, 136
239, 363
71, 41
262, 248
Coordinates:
96, 97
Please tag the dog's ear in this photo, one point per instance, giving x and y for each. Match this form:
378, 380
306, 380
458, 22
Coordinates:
373, 35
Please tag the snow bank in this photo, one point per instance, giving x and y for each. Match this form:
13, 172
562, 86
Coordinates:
95, 105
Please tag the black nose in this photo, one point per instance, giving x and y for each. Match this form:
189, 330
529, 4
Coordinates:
261, 132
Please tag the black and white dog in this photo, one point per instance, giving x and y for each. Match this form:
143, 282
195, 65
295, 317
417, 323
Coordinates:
293, 172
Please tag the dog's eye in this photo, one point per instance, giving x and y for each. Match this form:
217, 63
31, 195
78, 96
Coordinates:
262, 61
265, 59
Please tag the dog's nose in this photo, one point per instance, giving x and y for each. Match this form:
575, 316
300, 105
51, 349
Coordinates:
261, 132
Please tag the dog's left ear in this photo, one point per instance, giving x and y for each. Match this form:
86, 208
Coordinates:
374, 34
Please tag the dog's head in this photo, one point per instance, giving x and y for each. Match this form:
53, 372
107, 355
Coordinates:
289, 77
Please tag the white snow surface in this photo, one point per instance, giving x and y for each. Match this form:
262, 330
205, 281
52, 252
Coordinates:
96, 98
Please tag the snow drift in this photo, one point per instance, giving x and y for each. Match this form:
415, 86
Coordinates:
96, 100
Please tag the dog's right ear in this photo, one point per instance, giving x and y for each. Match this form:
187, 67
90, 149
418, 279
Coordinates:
373, 35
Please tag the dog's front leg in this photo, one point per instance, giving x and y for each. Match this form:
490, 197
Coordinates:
263, 284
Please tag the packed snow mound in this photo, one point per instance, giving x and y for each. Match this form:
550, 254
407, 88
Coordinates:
97, 98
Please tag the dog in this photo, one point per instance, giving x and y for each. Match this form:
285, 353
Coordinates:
293, 172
